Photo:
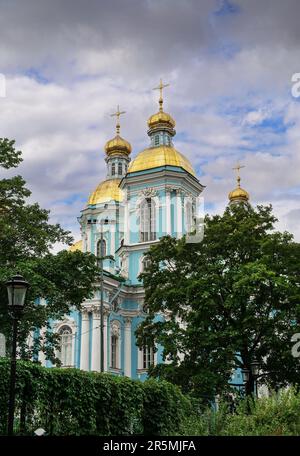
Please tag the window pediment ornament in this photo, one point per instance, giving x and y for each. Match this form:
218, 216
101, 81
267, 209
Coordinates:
148, 193
65, 322
115, 329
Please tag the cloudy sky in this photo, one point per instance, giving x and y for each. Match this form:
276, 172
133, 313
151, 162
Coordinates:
68, 63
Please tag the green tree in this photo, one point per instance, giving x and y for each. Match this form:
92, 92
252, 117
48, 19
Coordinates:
26, 240
236, 292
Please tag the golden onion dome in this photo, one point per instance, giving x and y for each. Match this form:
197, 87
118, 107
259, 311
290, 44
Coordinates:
154, 157
161, 117
117, 145
238, 194
106, 191
76, 246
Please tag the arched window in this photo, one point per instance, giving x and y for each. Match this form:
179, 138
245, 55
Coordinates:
114, 352
120, 171
148, 357
101, 249
147, 226
113, 169
156, 140
65, 351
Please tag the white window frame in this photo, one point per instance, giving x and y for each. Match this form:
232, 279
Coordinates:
148, 216
70, 323
115, 331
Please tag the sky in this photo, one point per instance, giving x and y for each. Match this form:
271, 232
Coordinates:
67, 64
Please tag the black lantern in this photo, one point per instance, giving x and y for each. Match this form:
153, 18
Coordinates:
246, 375
16, 289
255, 367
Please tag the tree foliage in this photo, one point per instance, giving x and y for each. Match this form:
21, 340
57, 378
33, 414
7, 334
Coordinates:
26, 241
236, 292
74, 402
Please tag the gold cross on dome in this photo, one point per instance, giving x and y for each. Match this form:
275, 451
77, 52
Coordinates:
117, 114
160, 87
237, 168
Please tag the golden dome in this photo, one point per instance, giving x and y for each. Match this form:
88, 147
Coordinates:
159, 118
106, 191
76, 246
238, 194
154, 157
117, 145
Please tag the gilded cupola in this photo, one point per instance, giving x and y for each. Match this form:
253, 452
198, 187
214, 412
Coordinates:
117, 145
238, 194
117, 159
161, 121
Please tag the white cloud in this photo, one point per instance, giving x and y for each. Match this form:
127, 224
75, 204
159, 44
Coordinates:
113, 53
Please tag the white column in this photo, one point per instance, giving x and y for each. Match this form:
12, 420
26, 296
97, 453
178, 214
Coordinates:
30, 340
96, 341
168, 211
112, 245
112, 239
105, 341
88, 239
84, 352
127, 347
126, 217
179, 213
42, 357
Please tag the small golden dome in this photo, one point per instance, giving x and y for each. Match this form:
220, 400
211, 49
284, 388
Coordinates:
117, 145
106, 191
76, 246
161, 117
238, 194
154, 157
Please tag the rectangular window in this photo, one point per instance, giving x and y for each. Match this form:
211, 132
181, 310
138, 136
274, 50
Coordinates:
148, 357
148, 232
120, 169
114, 347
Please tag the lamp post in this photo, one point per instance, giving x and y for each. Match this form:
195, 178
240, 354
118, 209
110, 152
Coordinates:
16, 289
255, 372
251, 375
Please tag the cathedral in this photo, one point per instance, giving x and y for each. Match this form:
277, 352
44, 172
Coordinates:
141, 200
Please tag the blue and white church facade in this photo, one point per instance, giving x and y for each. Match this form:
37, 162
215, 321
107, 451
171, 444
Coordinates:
141, 200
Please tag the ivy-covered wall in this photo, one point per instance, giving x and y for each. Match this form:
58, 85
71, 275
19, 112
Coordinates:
74, 402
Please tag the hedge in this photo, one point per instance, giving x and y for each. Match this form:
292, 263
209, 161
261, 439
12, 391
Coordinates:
74, 402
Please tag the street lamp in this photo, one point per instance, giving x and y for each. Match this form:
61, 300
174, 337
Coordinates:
16, 290
255, 371
246, 375
254, 366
